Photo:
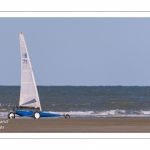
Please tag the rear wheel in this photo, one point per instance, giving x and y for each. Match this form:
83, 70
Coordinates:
11, 115
36, 115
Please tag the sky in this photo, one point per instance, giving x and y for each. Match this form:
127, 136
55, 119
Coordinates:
78, 51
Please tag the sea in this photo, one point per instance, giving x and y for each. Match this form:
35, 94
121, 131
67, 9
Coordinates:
84, 101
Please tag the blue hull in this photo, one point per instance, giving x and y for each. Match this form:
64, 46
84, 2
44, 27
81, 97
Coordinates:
31, 113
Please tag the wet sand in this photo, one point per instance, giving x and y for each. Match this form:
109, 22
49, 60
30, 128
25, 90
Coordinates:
76, 125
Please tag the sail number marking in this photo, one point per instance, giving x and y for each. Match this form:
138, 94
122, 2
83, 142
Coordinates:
25, 61
24, 55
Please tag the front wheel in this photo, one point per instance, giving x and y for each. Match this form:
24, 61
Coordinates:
36, 115
11, 115
67, 116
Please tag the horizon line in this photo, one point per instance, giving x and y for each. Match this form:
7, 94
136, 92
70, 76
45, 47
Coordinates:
84, 85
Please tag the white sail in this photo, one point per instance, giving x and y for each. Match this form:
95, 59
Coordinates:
28, 93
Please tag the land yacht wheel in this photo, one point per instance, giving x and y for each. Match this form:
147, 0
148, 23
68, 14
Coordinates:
67, 116
11, 115
36, 115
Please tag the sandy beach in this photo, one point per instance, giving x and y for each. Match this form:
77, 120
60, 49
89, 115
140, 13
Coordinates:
76, 125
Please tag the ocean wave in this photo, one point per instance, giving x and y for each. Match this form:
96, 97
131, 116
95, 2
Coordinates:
112, 112
107, 113
143, 112
94, 114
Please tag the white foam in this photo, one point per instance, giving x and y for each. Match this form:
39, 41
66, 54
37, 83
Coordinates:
145, 112
94, 113
110, 113
82, 114
3, 114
